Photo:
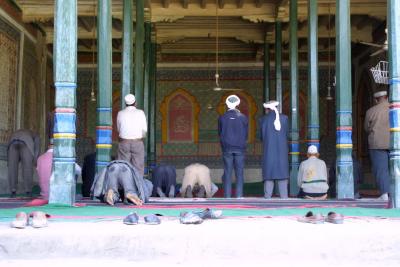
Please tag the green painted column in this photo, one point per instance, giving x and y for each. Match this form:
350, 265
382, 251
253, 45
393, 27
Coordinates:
294, 148
153, 99
147, 77
394, 98
62, 186
344, 144
127, 51
104, 85
266, 72
139, 46
278, 63
313, 95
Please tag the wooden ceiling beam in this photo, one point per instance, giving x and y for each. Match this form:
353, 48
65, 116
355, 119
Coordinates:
221, 4
239, 3
203, 4
185, 4
86, 23
258, 3
117, 24
165, 3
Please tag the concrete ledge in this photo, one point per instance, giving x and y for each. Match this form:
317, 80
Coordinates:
277, 241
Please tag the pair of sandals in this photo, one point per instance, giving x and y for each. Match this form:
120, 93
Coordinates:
133, 219
197, 217
318, 218
39, 220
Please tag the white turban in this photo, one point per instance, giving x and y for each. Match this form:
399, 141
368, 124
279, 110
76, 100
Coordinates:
272, 105
380, 93
130, 99
232, 101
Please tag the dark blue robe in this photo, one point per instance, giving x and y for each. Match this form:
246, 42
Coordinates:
275, 162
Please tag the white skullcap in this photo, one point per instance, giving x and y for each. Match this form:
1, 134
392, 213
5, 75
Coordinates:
272, 105
232, 101
312, 149
130, 99
380, 93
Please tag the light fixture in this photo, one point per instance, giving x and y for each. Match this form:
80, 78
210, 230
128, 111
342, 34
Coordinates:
328, 95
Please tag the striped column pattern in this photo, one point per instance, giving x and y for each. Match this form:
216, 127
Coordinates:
344, 144
62, 185
313, 95
104, 95
394, 98
294, 148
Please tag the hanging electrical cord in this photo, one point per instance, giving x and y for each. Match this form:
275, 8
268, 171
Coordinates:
92, 94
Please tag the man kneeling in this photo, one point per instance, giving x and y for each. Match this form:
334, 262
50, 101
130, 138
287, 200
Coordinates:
197, 181
312, 177
121, 178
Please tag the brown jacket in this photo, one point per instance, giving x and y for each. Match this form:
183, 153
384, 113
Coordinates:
377, 125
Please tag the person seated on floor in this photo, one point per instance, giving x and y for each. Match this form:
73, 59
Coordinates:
312, 177
164, 180
358, 177
197, 181
119, 180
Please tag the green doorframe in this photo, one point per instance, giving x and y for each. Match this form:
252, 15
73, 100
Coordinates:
294, 99
62, 187
104, 85
394, 98
278, 63
313, 92
266, 71
344, 144
139, 47
127, 51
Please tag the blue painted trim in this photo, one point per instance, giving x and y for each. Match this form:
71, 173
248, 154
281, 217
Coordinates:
103, 109
343, 112
64, 84
64, 160
102, 163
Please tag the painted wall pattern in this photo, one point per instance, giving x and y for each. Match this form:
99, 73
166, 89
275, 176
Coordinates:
9, 56
200, 83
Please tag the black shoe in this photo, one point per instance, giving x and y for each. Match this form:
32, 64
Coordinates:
13, 195
29, 194
189, 193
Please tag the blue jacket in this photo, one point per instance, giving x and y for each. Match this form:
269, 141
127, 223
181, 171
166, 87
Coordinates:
233, 128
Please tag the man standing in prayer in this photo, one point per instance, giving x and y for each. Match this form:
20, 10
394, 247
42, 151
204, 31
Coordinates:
275, 164
233, 132
24, 146
313, 176
377, 126
132, 128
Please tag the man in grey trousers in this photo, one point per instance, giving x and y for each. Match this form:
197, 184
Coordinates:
23, 146
132, 128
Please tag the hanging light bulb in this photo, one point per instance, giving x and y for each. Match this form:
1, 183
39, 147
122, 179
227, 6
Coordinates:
92, 96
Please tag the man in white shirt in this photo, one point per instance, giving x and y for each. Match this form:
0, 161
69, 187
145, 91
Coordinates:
312, 177
132, 128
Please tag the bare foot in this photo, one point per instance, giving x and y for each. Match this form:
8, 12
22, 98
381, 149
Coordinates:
134, 199
109, 197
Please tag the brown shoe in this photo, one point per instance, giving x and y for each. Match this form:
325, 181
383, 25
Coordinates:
312, 218
110, 197
134, 199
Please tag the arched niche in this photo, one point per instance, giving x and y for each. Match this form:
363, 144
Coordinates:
180, 117
247, 106
302, 113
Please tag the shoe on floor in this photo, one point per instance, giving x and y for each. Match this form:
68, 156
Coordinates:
334, 217
190, 218
209, 214
39, 219
310, 217
384, 197
20, 221
152, 219
131, 219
